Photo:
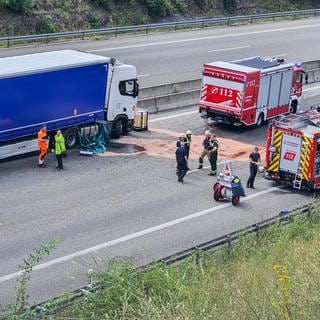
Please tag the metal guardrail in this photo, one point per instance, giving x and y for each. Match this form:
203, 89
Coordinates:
202, 23
284, 217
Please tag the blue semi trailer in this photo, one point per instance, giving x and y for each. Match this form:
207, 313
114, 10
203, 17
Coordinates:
68, 90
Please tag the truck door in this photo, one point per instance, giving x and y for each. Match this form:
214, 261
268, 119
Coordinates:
122, 97
290, 153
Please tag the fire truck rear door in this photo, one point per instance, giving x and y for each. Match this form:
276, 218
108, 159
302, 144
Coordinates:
290, 153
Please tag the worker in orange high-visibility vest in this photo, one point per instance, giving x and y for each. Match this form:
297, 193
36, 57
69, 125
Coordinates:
43, 145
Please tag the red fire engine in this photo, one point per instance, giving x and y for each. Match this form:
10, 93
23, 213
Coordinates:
250, 91
293, 150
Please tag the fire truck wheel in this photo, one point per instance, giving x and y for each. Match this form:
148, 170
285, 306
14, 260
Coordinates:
260, 120
293, 106
235, 200
217, 194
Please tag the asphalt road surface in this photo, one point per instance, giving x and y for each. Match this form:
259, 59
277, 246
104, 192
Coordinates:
130, 205
176, 56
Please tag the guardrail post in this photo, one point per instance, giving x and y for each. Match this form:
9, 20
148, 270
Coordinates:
198, 257
283, 215
90, 277
47, 39
175, 27
8, 43
309, 212
146, 30
258, 227
82, 36
229, 244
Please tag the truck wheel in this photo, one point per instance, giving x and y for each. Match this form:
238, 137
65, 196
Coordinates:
71, 138
116, 129
293, 106
235, 200
260, 120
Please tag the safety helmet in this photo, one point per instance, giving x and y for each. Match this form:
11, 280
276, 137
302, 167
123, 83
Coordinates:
182, 135
207, 133
261, 169
188, 132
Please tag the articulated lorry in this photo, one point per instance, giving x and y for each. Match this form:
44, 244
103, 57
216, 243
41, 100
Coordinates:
68, 90
250, 91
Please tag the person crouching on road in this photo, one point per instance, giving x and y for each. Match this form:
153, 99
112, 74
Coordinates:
59, 148
214, 145
182, 161
255, 161
43, 145
205, 151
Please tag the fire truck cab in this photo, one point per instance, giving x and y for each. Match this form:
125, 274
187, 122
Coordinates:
293, 150
250, 91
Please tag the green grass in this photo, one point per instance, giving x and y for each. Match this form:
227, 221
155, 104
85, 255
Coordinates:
277, 279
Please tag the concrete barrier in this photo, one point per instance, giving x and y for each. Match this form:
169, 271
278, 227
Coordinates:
186, 93
312, 71
170, 101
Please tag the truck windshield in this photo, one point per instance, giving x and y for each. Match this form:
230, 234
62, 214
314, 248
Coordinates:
129, 87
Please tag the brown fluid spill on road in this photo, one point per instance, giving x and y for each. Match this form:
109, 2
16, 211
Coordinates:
166, 147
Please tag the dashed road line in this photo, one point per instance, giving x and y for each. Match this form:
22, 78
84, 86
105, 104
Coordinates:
135, 235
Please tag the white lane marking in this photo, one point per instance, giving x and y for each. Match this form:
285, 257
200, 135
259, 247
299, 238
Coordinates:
281, 55
174, 116
143, 75
135, 235
204, 38
229, 49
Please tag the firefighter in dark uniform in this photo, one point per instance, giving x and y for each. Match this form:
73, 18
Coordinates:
181, 141
255, 161
182, 161
213, 148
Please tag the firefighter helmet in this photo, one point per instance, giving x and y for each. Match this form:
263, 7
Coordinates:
188, 132
207, 133
261, 169
182, 135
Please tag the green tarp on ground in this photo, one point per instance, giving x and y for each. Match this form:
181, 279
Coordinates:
97, 143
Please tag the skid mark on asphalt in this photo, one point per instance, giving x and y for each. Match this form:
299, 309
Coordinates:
135, 235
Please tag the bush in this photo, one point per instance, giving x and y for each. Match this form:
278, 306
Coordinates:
181, 5
45, 26
106, 4
230, 5
19, 6
159, 8
94, 21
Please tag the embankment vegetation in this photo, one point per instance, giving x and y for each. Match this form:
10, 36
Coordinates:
277, 278
22, 17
